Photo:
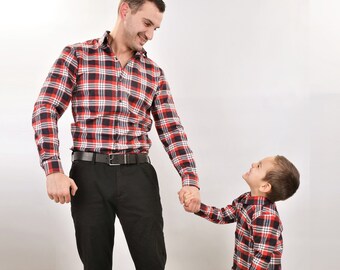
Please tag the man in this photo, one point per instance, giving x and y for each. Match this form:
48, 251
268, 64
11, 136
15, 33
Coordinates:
114, 89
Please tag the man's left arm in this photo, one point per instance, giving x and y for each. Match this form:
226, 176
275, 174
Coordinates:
175, 142
267, 232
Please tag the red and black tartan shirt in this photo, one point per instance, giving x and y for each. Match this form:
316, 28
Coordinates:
258, 236
111, 107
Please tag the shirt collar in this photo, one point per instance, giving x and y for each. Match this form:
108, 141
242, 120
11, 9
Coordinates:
104, 42
255, 200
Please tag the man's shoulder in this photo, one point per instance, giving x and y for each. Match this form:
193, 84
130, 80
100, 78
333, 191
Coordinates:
88, 44
84, 49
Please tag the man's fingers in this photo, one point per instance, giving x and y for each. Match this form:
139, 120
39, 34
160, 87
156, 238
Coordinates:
62, 199
74, 187
188, 199
67, 198
181, 196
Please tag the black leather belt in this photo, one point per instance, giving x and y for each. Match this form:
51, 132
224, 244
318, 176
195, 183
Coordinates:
111, 159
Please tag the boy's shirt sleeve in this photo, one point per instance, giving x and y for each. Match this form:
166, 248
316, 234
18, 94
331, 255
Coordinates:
267, 231
223, 215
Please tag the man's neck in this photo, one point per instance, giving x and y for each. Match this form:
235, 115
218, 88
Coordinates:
116, 42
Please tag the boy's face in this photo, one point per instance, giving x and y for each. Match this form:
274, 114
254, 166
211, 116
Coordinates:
254, 177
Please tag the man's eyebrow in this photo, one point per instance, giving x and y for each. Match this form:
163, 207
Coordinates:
149, 21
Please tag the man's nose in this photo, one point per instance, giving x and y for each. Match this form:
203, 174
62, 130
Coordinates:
149, 34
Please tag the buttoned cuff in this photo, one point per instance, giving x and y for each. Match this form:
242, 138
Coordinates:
190, 181
52, 166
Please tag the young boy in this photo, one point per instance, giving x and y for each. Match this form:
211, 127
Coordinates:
258, 243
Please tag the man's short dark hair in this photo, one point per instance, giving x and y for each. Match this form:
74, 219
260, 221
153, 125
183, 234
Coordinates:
284, 179
136, 4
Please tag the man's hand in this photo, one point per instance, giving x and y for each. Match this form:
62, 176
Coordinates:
194, 204
59, 186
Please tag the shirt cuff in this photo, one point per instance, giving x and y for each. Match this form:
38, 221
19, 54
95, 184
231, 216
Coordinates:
190, 180
203, 210
52, 166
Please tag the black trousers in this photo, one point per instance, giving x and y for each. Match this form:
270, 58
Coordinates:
131, 193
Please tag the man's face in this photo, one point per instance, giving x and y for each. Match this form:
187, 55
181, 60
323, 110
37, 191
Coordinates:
139, 27
254, 177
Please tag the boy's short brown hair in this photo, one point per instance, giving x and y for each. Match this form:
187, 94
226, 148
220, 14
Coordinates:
284, 179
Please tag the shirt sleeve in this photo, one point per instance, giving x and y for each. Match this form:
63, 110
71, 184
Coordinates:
267, 231
172, 135
52, 102
218, 215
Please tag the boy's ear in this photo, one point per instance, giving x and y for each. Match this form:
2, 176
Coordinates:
265, 187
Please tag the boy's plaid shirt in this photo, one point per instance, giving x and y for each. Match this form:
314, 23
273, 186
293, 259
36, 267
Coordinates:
111, 107
258, 243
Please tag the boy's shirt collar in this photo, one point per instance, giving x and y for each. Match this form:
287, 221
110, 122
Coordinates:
254, 200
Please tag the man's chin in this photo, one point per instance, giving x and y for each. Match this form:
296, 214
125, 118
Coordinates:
138, 48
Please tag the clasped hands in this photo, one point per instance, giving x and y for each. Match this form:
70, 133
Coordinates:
190, 198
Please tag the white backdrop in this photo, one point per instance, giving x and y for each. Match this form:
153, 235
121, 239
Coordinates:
250, 78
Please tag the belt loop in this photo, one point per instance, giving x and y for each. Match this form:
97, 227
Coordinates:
94, 158
137, 159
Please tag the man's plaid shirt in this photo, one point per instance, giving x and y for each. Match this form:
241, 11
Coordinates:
258, 236
111, 107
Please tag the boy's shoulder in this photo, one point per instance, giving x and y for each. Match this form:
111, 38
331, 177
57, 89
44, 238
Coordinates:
256, 206
242, 198
269, 209
267, 214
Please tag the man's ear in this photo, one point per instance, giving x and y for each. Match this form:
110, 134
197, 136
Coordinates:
266, 187
124, 9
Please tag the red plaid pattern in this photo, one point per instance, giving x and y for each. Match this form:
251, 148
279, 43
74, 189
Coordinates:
258, 236
111, 107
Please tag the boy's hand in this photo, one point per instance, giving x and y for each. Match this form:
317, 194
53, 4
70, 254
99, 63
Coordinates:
190, 197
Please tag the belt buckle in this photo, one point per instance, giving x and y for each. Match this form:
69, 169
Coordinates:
111, 160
